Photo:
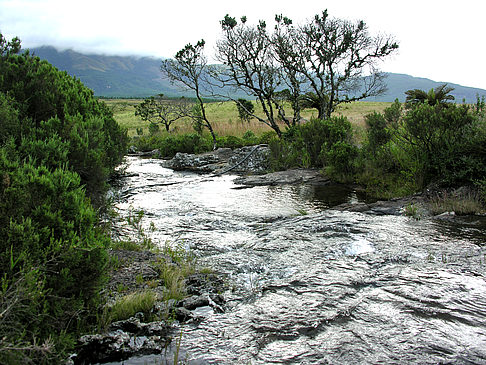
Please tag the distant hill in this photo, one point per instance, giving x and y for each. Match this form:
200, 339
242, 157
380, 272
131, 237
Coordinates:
399, 83
111, 76
130, 76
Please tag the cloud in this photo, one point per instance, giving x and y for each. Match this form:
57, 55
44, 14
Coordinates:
438, 39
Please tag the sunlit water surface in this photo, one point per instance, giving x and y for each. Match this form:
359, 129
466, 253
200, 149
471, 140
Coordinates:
313, 285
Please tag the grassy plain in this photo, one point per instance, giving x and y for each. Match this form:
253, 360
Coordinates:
224, 117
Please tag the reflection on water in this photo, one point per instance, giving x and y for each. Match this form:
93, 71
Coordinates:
314, 285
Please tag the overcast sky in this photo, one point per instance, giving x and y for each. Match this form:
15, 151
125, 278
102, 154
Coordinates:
441, 40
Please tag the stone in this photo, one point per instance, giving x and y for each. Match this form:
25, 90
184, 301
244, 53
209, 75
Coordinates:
250, 159
288, 177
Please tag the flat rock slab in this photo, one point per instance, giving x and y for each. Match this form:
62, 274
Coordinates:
288, 177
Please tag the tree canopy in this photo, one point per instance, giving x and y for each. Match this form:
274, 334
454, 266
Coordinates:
321, 63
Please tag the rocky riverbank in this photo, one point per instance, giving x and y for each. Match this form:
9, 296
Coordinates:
153, 331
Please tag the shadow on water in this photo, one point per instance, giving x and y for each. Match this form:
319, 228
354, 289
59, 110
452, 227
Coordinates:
312, 285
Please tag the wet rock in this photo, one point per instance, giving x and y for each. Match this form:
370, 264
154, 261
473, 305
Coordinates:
195, 301
353, 207
135, 327
253, 159
295, 176
117, 345
198, 284
133, 151
206, 162
182, 314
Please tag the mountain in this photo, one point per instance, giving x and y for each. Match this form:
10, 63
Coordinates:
399, 83
110, 76
130, 76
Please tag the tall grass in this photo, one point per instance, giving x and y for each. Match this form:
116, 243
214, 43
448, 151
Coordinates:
461, 204
128, 305
225, 120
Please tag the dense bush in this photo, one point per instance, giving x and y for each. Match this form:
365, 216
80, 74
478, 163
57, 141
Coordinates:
440, 143
169, 144
38, 101
318, 143
58, 145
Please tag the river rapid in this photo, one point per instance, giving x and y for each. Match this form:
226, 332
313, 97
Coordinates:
309, 284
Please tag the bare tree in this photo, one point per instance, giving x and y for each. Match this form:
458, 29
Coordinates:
337, 58
287, 55
247, 54
189, 69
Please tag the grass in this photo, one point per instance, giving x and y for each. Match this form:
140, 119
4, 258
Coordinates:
461, 204
130, 304
224, 117
173, 270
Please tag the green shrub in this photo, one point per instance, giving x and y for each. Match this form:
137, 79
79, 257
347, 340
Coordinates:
153, 128
169, 144
340, 158
58, 145
266, 137
317, 143
230, 142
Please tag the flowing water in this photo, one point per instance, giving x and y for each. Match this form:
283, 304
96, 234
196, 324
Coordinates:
313, 285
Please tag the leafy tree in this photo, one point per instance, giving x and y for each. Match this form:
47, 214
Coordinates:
337, 58
189, 69
9, 47
58, 145
156, 109
52, 103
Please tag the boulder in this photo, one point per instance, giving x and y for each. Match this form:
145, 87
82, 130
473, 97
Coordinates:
119, 345
250, 159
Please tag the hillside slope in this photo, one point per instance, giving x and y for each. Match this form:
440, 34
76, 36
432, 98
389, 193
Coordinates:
129, 76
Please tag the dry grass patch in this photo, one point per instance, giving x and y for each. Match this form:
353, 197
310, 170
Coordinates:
225, 120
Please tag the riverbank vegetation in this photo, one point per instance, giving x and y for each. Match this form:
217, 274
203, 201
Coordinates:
58, 146
391, 149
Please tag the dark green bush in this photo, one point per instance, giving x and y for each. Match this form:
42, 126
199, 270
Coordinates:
318, 143
230, 142
340, 158
169, 144
58, 145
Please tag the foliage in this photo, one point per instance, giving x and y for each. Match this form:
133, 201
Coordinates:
169, 145
433, 141
128, 305
178, 264
247, 54
48, 233
438, 96
331, 56
318, 143
462, 203
156, 110
58, 145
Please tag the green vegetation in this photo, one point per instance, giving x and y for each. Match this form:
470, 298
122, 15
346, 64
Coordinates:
440, 143
401, 151
58, 146
130, 304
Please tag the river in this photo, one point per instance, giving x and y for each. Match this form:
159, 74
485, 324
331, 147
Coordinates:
309, 284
